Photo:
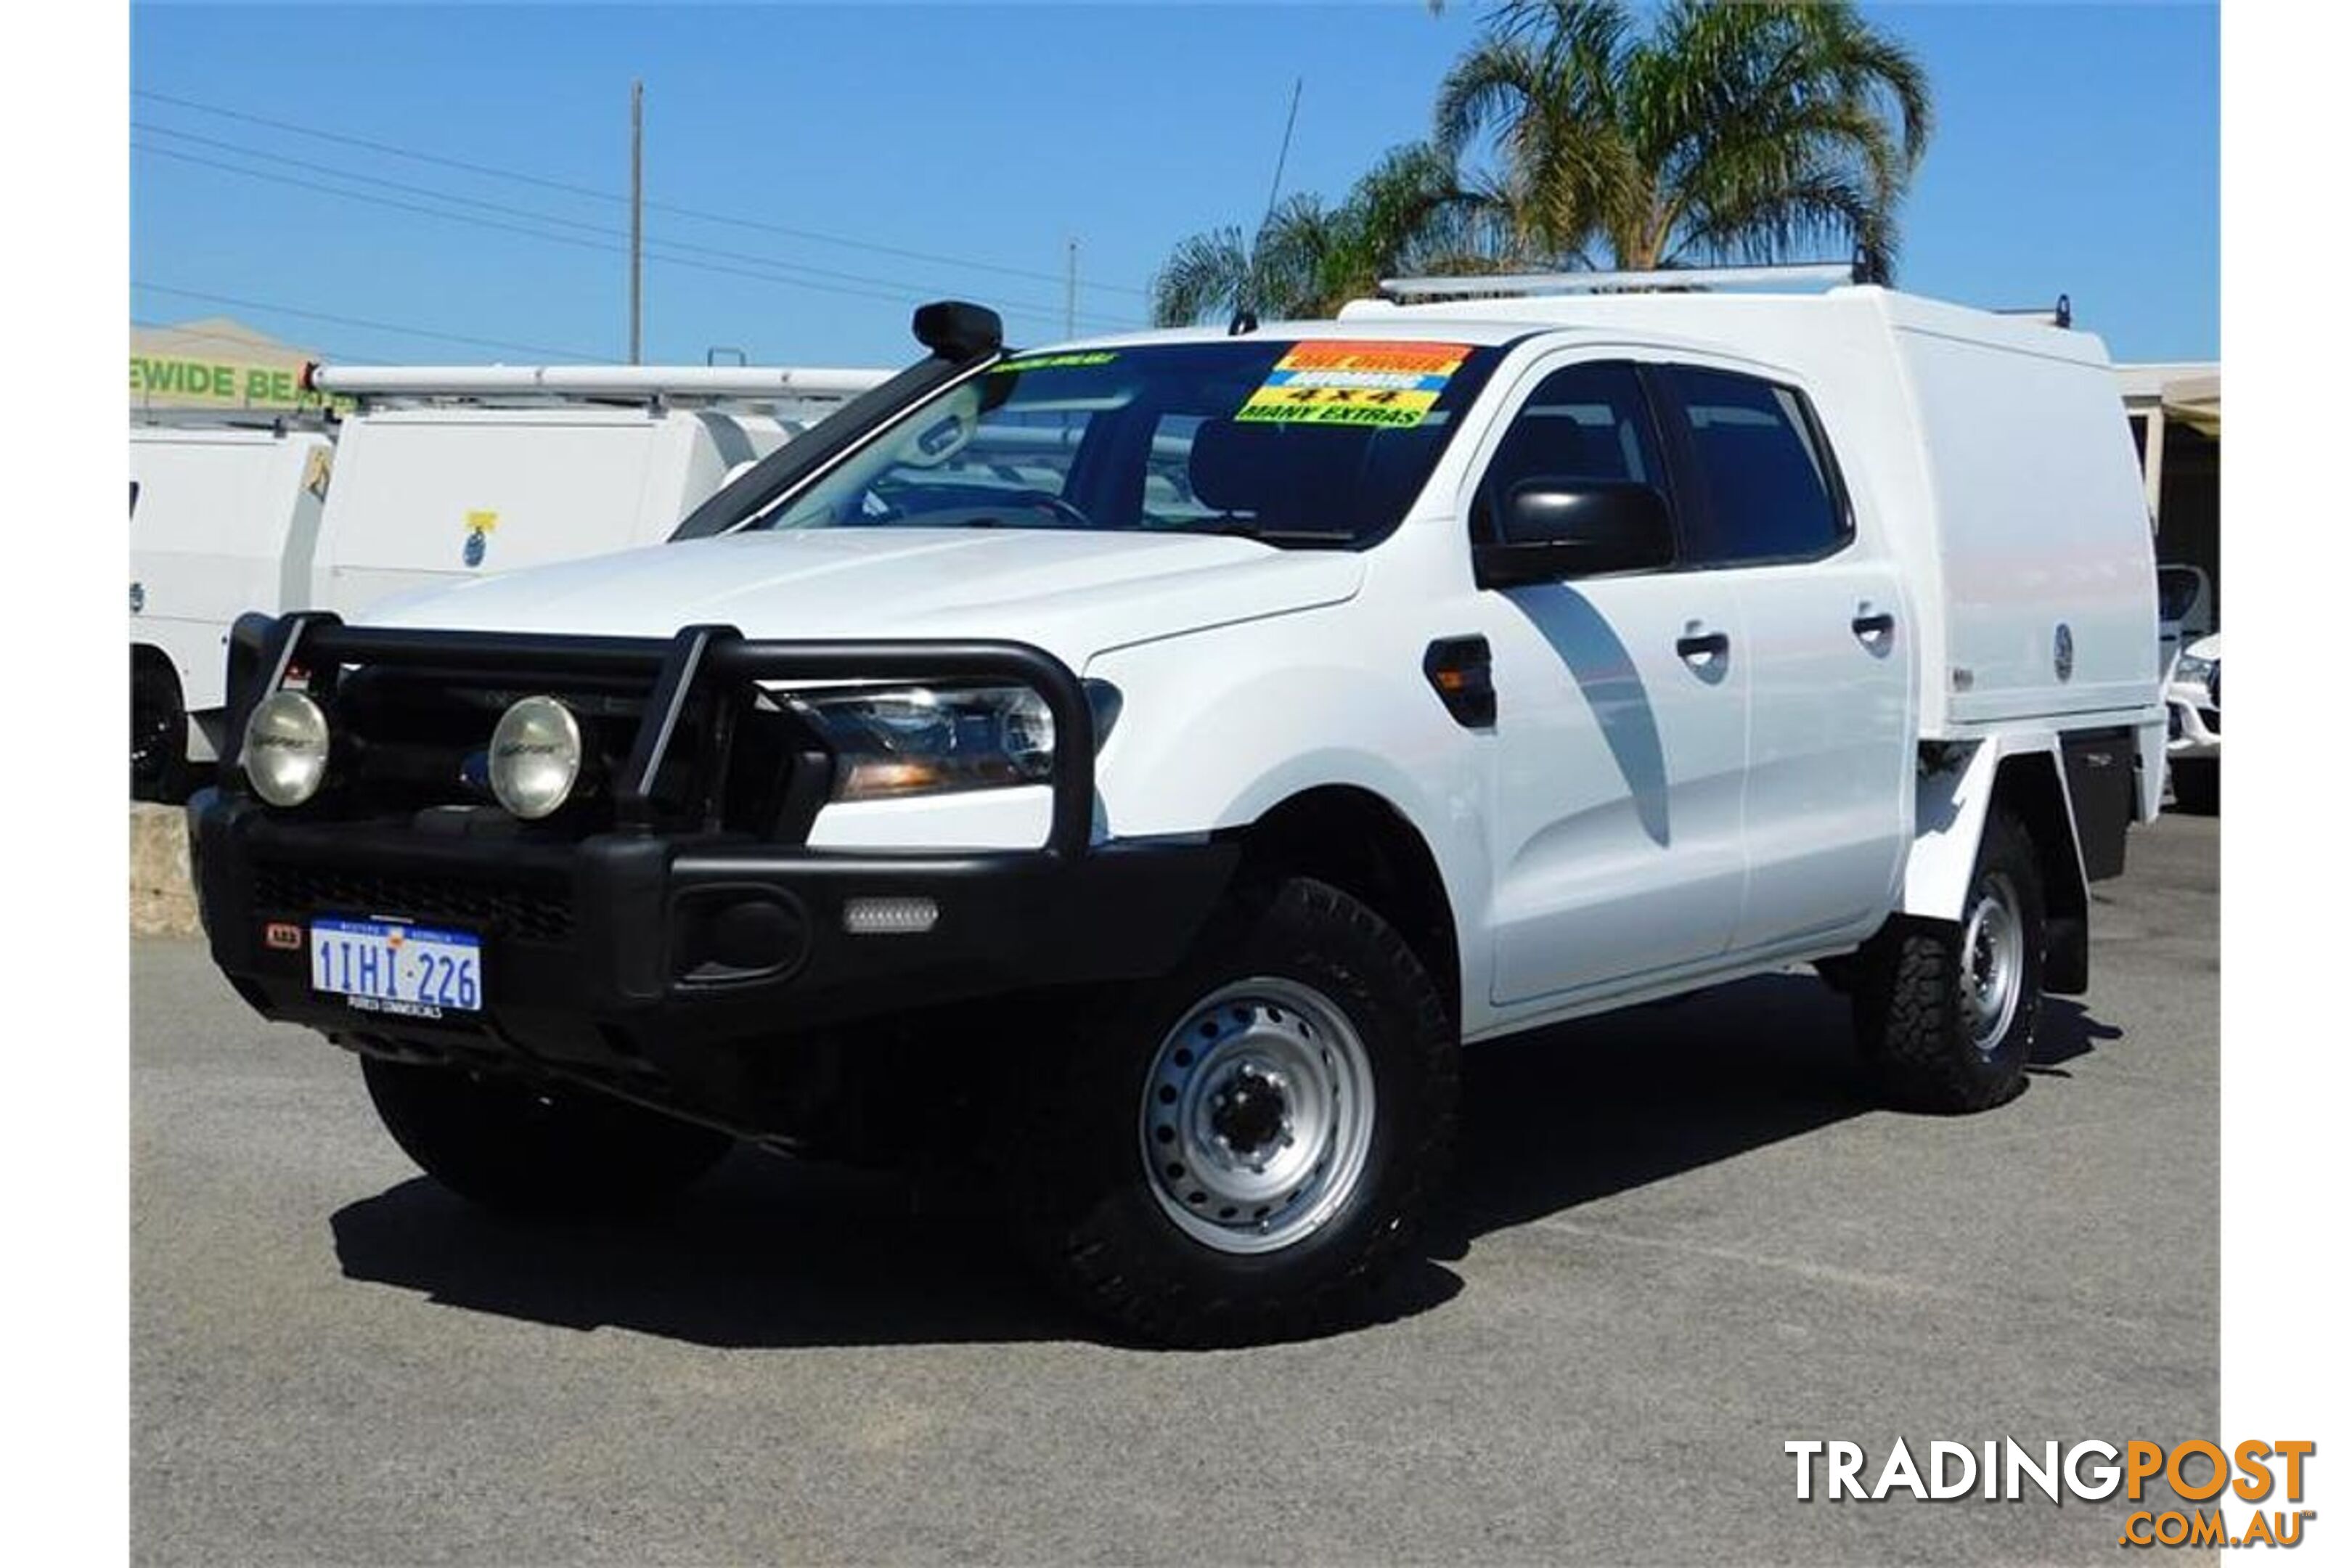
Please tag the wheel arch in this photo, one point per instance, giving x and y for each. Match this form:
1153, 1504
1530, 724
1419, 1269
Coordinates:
1959, 790
1360, 842
147, 656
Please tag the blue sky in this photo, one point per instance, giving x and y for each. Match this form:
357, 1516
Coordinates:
2078, 148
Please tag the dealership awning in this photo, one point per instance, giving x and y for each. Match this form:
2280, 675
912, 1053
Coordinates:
2195, 401
2189, 392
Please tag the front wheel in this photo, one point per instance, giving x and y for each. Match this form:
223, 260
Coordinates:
1945, 1013
527, 1147
1240, 1152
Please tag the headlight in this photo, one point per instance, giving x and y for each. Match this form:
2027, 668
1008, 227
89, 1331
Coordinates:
920, 740
2190, 671
285, 752
535, 757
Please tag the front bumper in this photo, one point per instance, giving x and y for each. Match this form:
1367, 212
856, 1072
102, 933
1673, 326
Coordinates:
622, 949
664, 959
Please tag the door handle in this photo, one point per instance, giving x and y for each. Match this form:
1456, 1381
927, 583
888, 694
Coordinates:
1878, 625
1703, 647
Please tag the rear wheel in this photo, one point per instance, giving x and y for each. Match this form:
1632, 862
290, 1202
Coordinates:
1240, 1152
536, 1148
159, 732
1945, 1013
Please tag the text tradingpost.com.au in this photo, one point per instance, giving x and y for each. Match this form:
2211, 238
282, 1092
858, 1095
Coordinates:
2091, 1470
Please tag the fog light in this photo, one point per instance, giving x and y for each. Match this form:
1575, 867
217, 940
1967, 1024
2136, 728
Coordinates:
535, 757
889, 917
285, 754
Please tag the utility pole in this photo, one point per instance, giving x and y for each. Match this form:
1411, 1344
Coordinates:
1070, 293
636, 221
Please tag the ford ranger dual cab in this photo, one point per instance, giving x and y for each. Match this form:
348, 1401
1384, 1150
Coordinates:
1135, 769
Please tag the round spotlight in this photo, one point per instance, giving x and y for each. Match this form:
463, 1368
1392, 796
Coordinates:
535, 757
285, 754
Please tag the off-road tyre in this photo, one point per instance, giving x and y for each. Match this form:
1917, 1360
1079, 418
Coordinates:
1097, 1220
1912, 1007
537, 1150
159, 734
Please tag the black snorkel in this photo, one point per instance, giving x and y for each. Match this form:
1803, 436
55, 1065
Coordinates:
962, 337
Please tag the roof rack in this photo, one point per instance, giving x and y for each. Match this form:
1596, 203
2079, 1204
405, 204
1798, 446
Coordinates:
2062, 314
635, 383
1503, 284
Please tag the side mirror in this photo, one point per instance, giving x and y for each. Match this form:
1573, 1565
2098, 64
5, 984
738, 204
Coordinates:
1556, 529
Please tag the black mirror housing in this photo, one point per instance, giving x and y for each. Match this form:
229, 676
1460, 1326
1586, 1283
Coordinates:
1551, 530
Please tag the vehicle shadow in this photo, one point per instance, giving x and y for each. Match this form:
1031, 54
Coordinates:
777, 1253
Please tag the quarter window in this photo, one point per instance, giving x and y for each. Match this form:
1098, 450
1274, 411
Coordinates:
1771, 494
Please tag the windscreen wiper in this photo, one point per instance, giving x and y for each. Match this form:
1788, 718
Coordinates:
1268, 535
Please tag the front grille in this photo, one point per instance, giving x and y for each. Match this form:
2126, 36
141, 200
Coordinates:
527, 914
415, 740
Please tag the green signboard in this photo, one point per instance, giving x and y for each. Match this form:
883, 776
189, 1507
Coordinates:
161, 379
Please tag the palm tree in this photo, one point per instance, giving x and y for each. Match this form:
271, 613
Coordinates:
1409, 212
1742, 131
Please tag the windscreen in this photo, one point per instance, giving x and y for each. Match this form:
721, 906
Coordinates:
1319, 443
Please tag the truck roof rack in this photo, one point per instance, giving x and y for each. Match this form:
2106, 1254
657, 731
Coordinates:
1509, 284
2062, 314
630, 382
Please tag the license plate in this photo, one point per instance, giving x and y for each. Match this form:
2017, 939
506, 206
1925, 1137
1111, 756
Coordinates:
383, 967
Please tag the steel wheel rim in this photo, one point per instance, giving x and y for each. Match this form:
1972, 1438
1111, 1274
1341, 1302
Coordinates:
1993, 957
1257, 1116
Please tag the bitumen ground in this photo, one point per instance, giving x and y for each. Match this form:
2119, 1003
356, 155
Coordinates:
1681, 1236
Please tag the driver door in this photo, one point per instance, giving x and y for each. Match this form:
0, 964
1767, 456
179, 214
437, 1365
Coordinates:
1620, 735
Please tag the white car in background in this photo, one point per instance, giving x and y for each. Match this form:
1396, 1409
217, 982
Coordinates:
2192, 749
2184, 609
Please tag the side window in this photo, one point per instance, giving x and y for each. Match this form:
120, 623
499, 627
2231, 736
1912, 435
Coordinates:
1587, 421
1772, 493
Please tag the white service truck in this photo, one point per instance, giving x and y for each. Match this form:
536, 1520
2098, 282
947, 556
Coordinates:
224, 518
1137, 769
441, 474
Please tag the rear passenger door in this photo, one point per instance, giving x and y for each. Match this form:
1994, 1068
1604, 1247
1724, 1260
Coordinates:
1828, 652
1620, 727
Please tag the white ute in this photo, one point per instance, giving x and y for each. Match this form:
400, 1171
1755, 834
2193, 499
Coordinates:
1136, 768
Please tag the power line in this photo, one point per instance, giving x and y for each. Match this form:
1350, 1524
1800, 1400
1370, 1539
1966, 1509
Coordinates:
509, 213
360, 321
592, 192
612, 243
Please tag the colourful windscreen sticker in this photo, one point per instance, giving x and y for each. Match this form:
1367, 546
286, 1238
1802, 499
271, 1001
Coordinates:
1058, 362
1355, 383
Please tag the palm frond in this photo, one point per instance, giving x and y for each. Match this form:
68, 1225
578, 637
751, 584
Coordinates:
1204, 276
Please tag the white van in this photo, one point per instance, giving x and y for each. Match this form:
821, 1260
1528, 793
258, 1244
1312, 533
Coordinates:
1138, 767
